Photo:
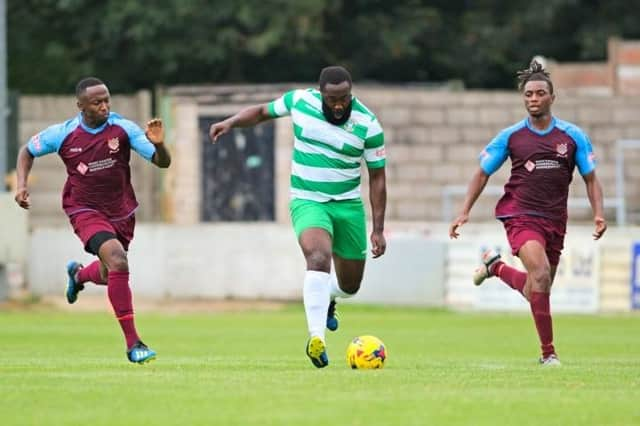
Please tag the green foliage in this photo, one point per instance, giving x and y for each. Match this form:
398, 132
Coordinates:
132, 45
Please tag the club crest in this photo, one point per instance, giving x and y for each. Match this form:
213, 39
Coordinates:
114, 145
530, 166
562, 149
349, 126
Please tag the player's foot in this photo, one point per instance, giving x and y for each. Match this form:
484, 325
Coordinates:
489, 258
332, 317
73, 286
317, 352
140, 353
550, 361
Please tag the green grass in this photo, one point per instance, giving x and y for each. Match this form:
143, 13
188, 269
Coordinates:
249, 368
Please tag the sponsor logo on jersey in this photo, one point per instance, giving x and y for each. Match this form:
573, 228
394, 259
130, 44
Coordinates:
380, 152
36, 142
75, 149
114, 145
82, 168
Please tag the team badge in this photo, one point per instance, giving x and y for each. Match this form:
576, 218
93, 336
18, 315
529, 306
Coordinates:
349, 125
530, 166
562, 149
82, 168
114, 145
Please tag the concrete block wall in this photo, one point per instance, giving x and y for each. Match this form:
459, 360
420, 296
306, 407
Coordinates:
433, 138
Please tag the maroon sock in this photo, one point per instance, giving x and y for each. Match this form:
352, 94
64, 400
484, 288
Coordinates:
513, 277
121, 300
542, 316
91, 272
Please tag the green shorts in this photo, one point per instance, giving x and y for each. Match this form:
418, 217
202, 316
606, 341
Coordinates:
343, 220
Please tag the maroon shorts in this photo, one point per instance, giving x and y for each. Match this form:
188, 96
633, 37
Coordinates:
88, 223
547, 232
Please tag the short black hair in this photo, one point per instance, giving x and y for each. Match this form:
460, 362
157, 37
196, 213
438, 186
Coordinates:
87, 82
535, 72
334, 74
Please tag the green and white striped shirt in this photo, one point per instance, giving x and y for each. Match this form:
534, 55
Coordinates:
326, 158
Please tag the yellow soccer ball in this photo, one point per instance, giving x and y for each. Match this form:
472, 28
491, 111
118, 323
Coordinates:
366, 352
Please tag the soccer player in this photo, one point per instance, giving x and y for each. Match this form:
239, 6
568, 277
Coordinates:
98, 198
544, 151
333, 132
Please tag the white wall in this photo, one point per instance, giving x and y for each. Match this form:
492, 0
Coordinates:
421, 267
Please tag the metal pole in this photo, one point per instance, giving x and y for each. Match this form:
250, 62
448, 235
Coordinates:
4, 112
621, 213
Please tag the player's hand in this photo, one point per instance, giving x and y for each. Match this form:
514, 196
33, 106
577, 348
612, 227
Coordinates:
601, 226
155, 131
22, 198
218, 129
378, 244
457, 223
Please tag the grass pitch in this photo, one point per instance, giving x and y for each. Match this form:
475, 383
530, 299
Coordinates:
249, 368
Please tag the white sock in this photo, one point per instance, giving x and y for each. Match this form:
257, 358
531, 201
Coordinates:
336, 291
316, 301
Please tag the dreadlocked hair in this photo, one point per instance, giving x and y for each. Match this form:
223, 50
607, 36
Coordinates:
535, 72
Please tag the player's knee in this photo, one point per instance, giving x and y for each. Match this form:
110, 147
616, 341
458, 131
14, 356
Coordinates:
318, 260
350, 287
541, 277
118, 261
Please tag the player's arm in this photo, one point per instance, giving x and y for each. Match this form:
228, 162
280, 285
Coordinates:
246, 117
491, 159
23, 168
155, 133
594, 192
476, 186
378, 199
585, 160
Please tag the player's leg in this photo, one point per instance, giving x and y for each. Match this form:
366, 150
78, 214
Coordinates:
94, 272
519, 231
537, 290
349, 253
86, 225
316, 247
113, 254
313, 228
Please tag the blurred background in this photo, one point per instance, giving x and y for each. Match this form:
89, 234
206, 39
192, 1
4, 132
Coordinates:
440, 76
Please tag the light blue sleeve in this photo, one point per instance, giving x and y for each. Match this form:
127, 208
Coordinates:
50, 139
495, 153
137, 139
584, 156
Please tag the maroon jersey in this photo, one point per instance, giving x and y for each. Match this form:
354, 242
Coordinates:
97, 162
542, 164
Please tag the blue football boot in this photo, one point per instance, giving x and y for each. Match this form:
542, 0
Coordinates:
73, 287
332, 317
140, 353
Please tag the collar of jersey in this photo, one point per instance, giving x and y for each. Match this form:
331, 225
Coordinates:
541, 132
89, 129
